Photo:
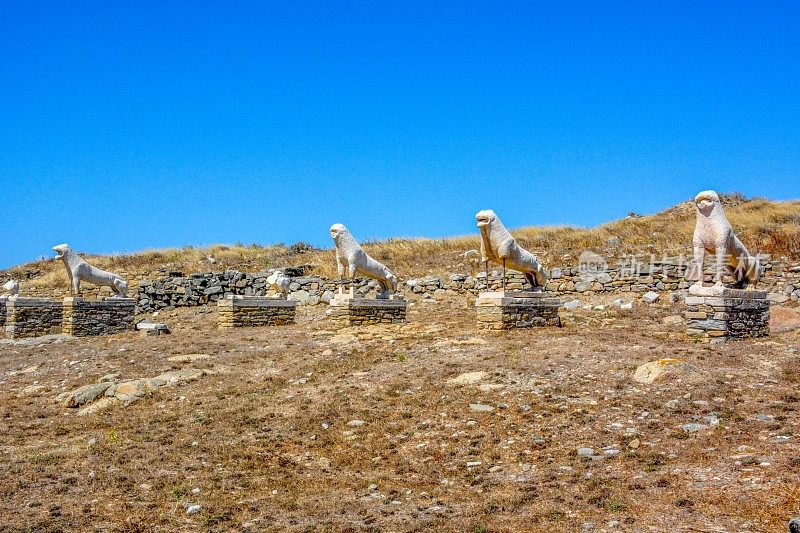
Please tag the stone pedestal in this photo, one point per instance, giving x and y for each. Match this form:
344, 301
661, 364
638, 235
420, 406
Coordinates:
251, 311
32, 317
720, 314
519, 309
90, 318
3, 300
347, 310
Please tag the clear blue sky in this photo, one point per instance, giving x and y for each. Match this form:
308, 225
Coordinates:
126, 126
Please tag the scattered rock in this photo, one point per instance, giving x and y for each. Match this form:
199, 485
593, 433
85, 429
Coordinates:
152, 328
33, 390
674, 320
131, 391
468, 378
471, 341
126, 393
82, 395
481, 408
693, 427
356, 423
585, 452
572, 305
188, 358
663, 369
650, 297
193, 509
100, 405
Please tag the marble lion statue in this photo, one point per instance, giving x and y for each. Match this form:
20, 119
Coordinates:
353, 260
714, 234
12, 286
498, 245
279, 282
79, 270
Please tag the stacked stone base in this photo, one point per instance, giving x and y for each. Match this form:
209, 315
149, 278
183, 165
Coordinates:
514, 310
3, 301
90, 318
253, 311
347, 311
32, 317
727, 314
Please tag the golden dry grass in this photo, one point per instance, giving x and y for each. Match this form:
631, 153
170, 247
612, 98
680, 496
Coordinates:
764, 226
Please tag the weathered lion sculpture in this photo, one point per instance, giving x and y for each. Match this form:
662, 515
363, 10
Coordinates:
351, 258
498, 245
12, 286
714, 234
79, 270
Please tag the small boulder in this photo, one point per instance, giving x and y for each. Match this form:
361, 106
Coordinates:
662, 370
468, 378
82, 395
650, 297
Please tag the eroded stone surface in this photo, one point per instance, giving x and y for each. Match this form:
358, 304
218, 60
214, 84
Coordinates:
82, 395
100, 396
468, 378
662, 369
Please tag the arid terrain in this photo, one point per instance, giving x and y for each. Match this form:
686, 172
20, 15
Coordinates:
763, 225
300, 428
429, 426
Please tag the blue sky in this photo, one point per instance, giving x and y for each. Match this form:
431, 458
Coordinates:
127, 126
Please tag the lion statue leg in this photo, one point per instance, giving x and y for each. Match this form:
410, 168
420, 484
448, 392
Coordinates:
721, 257
76, 285
352, 275
698, 256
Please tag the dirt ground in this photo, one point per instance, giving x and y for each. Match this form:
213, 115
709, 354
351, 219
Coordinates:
300, 428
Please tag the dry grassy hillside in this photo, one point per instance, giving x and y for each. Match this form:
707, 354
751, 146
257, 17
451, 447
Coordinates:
764, 226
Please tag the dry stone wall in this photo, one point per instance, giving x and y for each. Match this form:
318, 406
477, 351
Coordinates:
358, 312
32, 317
178, 290
514, 313
732, 314
85, 318
252, 311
